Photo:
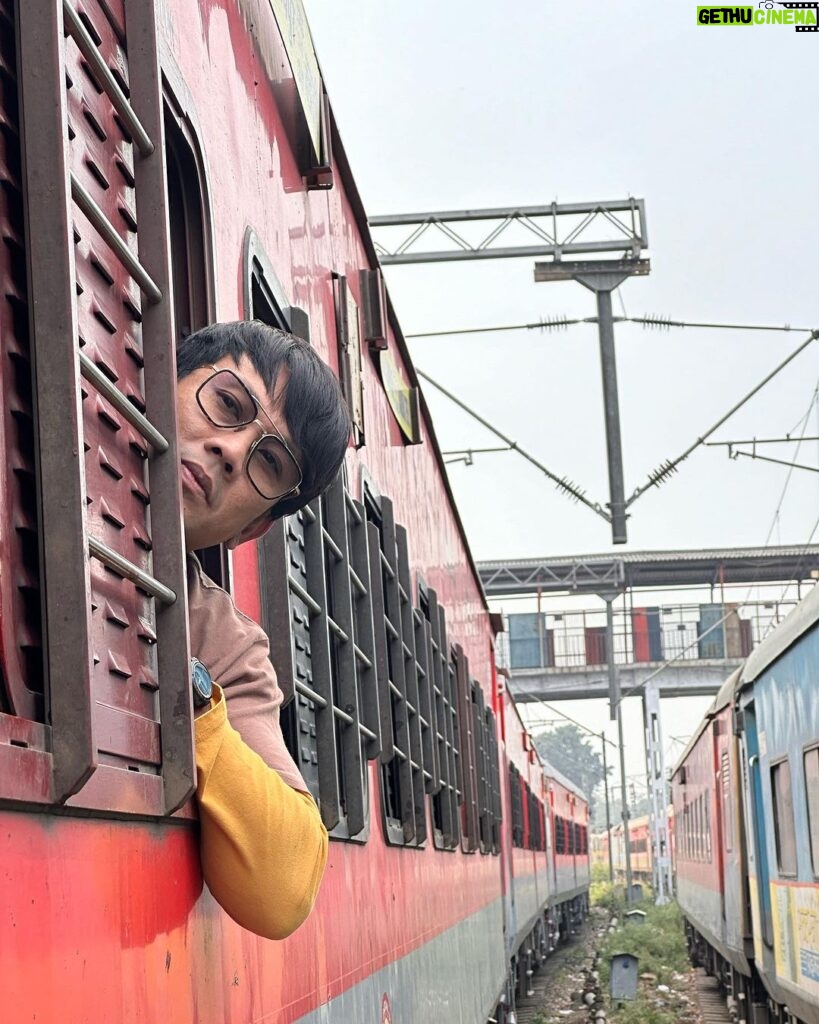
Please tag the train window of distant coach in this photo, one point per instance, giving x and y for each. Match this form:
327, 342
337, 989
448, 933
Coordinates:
516, 801
444, 792
811, 762
403, 776
494, 782
784, 832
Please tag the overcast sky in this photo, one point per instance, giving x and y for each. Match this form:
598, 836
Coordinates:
456, 105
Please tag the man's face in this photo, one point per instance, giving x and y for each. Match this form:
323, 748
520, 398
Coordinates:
219, 501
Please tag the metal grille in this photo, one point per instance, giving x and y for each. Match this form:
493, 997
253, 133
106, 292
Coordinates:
495, 805
99, 316
470, 824
516, 803
447, 795
318, 569
403, 776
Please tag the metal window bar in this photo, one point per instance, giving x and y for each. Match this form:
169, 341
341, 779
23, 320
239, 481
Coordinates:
340, 606
402, 779
106, 80
445, 800
364, 648
426, 699
449, 688
380, 652
321, 655
470, 833
413, 667
479, 724
497, 815
66, 545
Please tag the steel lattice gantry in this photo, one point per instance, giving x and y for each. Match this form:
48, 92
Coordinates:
656, 569
607, 576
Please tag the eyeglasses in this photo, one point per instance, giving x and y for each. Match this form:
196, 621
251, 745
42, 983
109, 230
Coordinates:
270, 465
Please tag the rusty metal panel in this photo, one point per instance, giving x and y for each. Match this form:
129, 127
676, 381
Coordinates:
167, 544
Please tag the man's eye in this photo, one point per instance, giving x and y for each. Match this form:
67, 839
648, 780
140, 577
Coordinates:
270, 460
230, 405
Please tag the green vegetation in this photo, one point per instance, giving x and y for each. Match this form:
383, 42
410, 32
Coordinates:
659, 945
604, 893
570, 750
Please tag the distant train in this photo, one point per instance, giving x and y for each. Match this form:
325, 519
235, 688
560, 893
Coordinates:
746, 801
640, 849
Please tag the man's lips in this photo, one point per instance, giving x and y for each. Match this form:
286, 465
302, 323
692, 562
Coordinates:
196, 479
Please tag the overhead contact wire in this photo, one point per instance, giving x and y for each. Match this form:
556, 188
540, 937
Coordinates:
562, 484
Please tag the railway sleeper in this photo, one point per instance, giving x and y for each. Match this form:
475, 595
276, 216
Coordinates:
554, 927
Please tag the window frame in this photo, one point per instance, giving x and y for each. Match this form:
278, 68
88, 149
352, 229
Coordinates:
813, 826
774, 769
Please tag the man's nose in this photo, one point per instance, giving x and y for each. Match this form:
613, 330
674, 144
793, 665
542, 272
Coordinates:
232, 446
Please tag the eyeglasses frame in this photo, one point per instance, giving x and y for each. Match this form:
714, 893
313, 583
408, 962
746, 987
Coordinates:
274, 432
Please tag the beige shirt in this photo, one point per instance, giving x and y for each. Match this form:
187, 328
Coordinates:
236, 652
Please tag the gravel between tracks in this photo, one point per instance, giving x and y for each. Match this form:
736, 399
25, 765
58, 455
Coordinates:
558, 986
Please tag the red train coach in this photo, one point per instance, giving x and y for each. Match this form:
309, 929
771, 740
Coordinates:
163, 166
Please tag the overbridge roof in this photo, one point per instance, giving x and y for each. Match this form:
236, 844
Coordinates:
656, 569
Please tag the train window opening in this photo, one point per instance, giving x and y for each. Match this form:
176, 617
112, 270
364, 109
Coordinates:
516, 802
23, 696
496, 812
470, 808
319, 619
445, 793
811, 766
403, 775
784, 831
190, 268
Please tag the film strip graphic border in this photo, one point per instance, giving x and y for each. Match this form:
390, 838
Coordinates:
802, 7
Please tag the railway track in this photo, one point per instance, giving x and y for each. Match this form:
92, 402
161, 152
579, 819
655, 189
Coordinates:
710, 999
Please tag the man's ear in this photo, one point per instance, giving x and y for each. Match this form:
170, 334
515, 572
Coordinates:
253, 531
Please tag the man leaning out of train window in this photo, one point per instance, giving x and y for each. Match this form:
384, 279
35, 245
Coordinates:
262, 431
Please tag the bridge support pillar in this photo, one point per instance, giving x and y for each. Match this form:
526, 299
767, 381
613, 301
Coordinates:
657, 795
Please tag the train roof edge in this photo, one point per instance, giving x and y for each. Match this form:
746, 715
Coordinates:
357, 207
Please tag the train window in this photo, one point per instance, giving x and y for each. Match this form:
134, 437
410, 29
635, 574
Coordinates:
470, 824
516, 802
482, 770
784, 832
811, 764
494, 782
403, 778
728, 824
318, 616
560, 835
348, 333
445, 793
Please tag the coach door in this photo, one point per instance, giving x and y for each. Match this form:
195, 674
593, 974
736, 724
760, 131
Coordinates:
758, 867
101, 324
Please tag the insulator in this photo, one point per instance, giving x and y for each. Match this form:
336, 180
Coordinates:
662, 323
664, 471
554, 323
567, 487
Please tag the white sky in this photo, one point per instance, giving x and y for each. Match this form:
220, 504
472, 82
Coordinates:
477, 104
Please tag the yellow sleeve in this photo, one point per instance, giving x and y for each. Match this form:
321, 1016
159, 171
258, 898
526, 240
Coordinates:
263, 844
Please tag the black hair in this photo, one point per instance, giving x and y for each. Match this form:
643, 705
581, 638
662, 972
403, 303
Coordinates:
313, 406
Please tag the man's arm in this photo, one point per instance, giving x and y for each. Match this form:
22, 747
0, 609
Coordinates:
263, 844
